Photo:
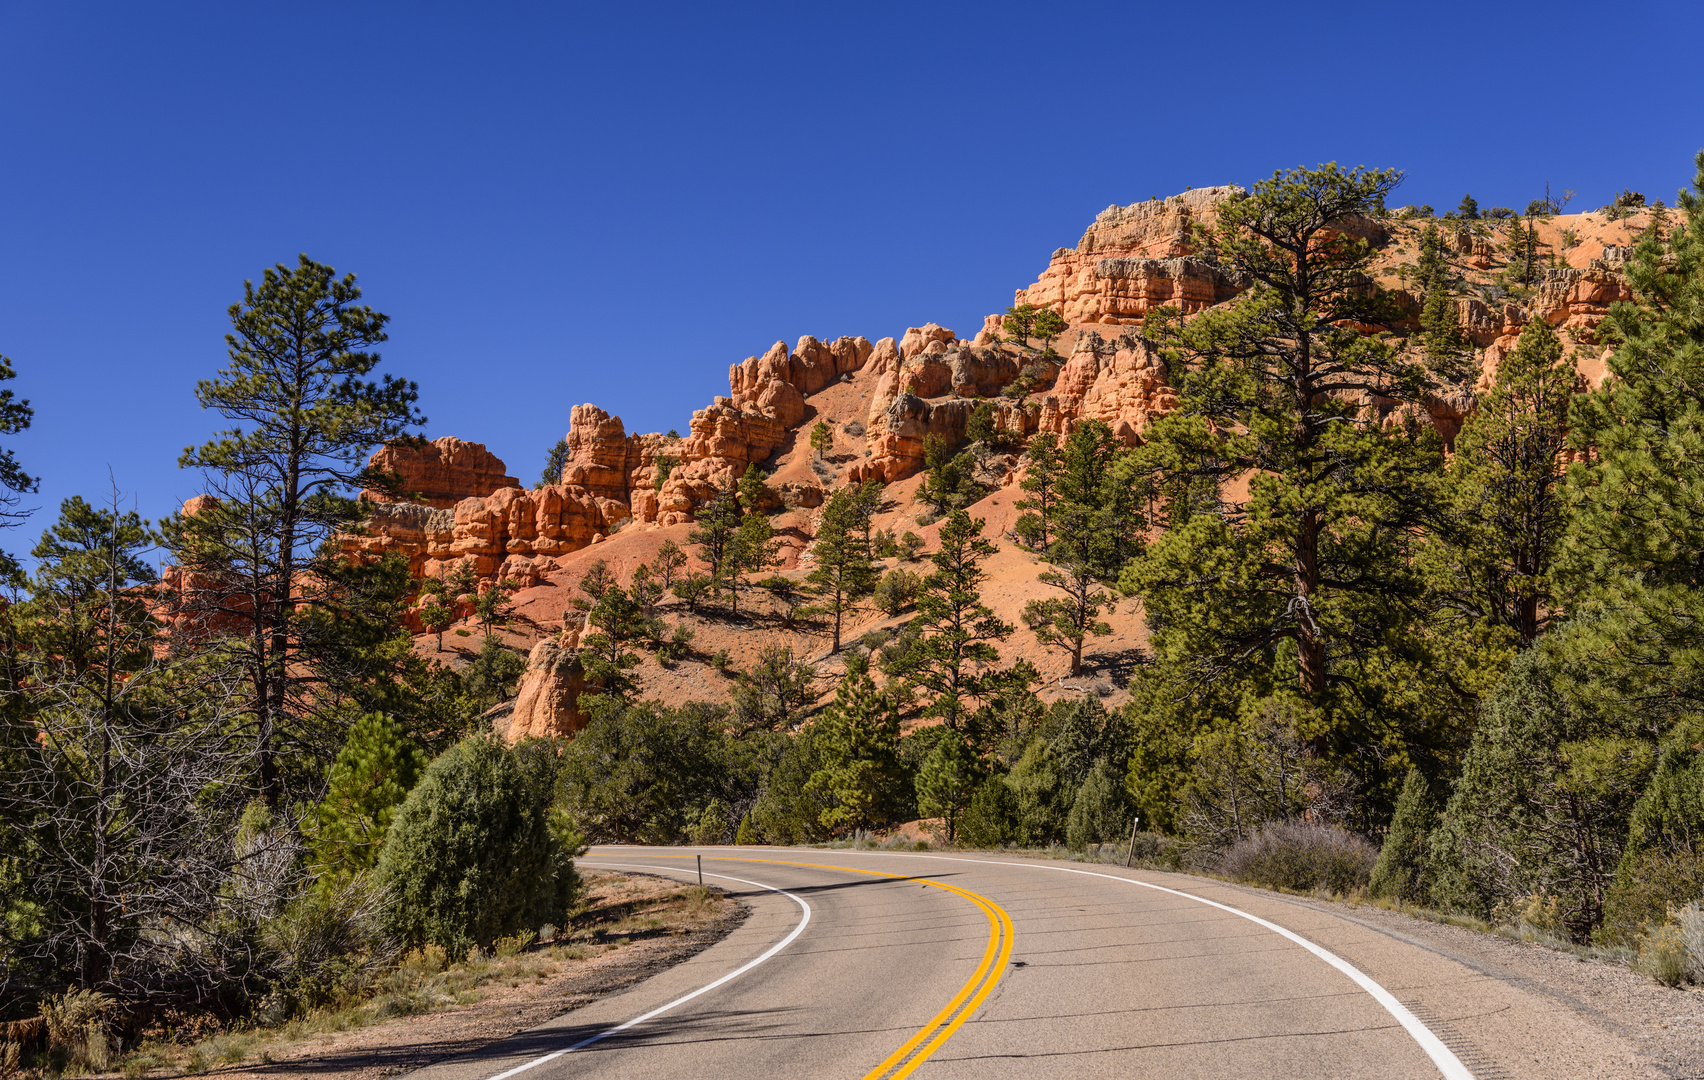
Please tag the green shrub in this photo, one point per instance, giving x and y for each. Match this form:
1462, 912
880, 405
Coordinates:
991, 819
472, 855
1043, 796
642, 774
1663, 862
897, 590
1101, 812
1646, 886
1541, 803
789, 811
1302, 856
712, 826
1402, 871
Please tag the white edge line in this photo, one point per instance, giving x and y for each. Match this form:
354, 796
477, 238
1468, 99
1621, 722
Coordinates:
1442, 1056
661, 1009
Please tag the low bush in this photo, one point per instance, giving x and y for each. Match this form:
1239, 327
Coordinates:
474, 854
1663, 955
1301, 856
329, 944
78, 1029
897, 590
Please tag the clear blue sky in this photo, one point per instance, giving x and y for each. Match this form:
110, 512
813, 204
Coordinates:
613, 202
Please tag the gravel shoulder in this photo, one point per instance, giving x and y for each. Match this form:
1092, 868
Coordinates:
1665, 1026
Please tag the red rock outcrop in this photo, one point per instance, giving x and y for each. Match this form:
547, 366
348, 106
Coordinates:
1122, 383
1135, 258
548, 695
777, 383
513, 532
610, 476
442, 472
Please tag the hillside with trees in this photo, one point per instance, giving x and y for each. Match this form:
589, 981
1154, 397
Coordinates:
1275, 533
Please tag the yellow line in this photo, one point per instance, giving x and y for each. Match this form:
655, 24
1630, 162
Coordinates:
981, 984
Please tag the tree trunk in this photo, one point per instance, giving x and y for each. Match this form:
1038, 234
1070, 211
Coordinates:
1310, 648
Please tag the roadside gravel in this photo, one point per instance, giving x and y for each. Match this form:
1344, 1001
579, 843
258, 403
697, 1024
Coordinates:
1665, 1025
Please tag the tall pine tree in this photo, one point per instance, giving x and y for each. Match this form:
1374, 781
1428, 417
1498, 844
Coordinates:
1631, 557
1309, 575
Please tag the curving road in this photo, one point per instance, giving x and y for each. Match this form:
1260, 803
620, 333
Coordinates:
863, 964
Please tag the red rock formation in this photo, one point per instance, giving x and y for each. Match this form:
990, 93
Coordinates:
1122, 383
610, 476
441, 473
1135, 258
548, 696
777, 383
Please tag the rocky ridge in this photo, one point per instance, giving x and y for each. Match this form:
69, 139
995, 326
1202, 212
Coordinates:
890, 395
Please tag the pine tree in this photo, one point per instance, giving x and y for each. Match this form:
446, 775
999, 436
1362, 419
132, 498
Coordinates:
669, 564
1505, 510
1469, 208
15, 416
755, 550
822, 438
1019, 324
1041, 479
462, 580
1403, 870
1630, 557
618, 621
715, 537
492, 607
1065, 622
1440, 323
554, 463
1048, 325
305, 418
372, 775
954, 631
946, 781
844, 571
1309, 575
436, 617
857, 743
753, 492
1440, 326
1043, 795
1100, 813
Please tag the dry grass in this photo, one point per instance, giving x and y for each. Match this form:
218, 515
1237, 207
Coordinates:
619, 909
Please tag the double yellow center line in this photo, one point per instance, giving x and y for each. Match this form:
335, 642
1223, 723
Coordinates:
917, 1049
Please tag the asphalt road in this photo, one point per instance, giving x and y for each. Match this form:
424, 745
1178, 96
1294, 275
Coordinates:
873, 964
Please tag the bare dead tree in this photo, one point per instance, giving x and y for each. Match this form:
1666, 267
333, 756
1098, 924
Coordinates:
123, 772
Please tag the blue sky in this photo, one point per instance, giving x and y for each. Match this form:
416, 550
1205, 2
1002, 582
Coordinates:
611, 203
